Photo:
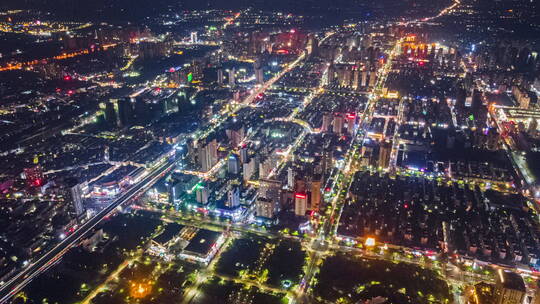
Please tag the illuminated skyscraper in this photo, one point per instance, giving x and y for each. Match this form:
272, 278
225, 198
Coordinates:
312, 45
316, 192
326, 121
202, 194
351, 121
232, 79
327, 160
233, 166
356, 78
259, 74
346, 76
233, 197
300, 203
331, 74
208, 155
270, 188
266, 207
194, 38
290, 178
364, 82
244, 154
74, 194
372, 78
220, 76
338, 124
248, 169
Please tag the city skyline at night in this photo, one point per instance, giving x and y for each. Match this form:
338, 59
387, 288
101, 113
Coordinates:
262, 152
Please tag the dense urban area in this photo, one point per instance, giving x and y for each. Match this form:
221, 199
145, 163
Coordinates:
270, 152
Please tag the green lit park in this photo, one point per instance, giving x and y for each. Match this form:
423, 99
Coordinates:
346, 279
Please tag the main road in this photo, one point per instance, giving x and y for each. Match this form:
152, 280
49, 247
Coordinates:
320, 244
13, 286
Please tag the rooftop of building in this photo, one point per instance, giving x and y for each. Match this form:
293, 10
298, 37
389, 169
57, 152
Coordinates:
202, 242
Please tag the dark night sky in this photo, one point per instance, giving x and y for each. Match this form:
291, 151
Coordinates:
135, 9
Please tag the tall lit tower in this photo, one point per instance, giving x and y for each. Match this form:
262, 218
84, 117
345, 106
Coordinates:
259, 75
194, 38
220, 76
232, 80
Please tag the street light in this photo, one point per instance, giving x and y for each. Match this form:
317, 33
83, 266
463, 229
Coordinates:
370, 242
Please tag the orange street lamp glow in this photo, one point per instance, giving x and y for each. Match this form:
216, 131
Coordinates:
140, 290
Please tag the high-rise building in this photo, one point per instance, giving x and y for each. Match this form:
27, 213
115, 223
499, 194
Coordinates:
270, 188
248, 169
233, 165
236, 95
197, 68
212, 149
493, 140
232, 79
384, 154
125, 112
243, 154
351, 121
208, 155
259, 76
356, 78
259, 73
193, 37
327, 160
532, 127
110, 114
220, 77
192, 150
326, 121
338, 124
372, 78
202, 194
203, 158
346, 77
316, 192
312, 45
174, 188
300, 183
290, 178
509, 288
266, 207
235, 135
331, 74
364, 81
233, 197
300, 203
74, 194
264, 169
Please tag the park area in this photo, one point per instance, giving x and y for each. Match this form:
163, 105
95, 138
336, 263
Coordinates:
349, 279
